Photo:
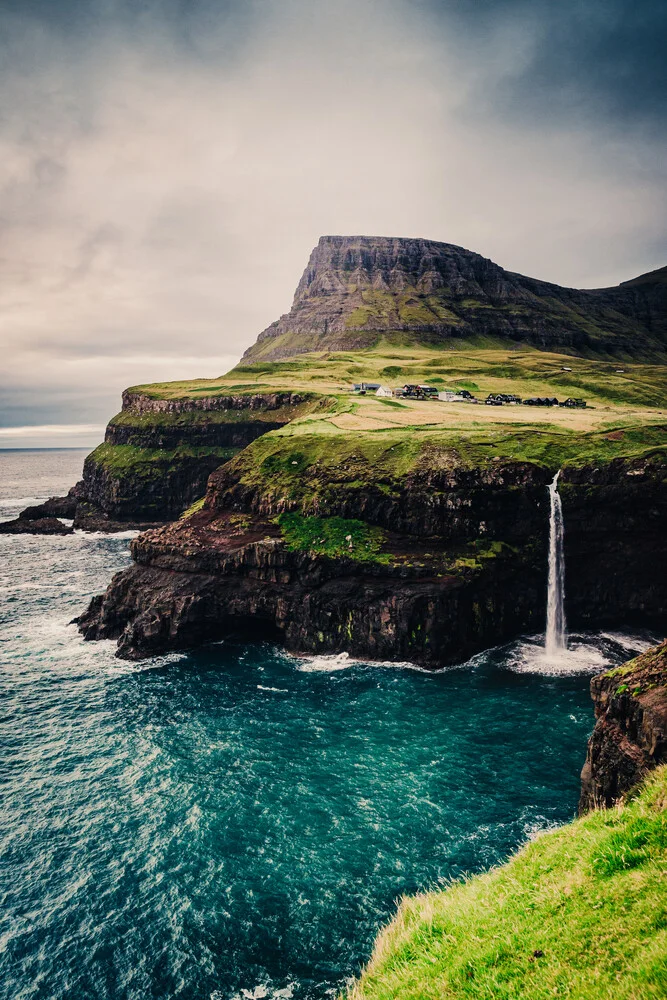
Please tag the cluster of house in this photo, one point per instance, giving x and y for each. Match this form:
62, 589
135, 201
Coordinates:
410, 391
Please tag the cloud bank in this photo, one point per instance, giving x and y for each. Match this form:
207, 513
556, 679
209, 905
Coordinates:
166, 168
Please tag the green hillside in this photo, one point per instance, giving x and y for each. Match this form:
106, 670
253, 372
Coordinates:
578, 913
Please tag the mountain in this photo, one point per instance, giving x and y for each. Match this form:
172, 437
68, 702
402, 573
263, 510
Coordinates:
357, 290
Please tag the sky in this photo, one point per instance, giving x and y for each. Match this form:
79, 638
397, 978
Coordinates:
166, 167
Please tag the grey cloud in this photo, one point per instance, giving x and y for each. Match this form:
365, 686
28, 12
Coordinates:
166, 167
601, 59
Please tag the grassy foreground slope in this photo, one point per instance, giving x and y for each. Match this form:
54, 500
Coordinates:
580, 912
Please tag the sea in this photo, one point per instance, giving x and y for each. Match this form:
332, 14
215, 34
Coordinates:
237, 823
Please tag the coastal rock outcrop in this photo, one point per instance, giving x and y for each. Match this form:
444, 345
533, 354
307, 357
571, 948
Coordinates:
53, 507
203, 579
356, 288
462, 564
35, 526
630, 735
158, 453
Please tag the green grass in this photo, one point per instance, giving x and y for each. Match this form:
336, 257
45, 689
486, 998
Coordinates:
485, 362
332, 536
579, 913
200, 418
146, 463
392, 402
310, 464
312, 458
192, 509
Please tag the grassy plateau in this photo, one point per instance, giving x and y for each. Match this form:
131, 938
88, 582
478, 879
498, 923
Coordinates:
626, 413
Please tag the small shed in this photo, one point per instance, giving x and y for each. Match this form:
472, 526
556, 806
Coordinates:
364, 387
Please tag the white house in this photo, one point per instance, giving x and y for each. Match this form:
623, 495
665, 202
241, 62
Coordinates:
384, 391
450, 397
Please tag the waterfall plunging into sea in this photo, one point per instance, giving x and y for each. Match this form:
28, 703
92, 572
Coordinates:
556, 639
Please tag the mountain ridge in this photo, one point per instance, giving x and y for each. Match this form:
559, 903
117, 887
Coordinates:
356, 290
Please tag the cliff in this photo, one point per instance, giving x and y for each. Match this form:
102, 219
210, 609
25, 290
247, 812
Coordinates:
158, 454
630, 735
578, 912
427, 558
411, 310
356, 290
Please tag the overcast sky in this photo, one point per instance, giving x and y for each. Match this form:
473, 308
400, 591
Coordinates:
166, 167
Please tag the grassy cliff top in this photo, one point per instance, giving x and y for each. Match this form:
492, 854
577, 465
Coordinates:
580, 912
626, 414
305, 462
491, 368
650, 667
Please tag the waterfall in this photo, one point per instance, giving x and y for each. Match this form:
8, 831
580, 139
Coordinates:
556, 640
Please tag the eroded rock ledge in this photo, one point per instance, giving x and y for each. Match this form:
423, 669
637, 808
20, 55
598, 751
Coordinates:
158, 454
630, 735
462, 565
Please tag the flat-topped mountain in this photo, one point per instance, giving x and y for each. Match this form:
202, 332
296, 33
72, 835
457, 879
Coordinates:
359, 289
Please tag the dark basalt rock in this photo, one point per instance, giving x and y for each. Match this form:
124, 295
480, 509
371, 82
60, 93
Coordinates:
196, 579
53, 507
182, 454
88, 517
630, 735
35, 526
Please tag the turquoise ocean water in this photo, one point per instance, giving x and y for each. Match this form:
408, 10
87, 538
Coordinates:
237, 822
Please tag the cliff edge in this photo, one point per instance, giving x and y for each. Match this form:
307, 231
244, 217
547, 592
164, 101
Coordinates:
579, 912
630, 735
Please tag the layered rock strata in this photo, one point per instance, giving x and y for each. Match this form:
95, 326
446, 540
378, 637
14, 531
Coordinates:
630, 735
158, 454
463, 564
358, 288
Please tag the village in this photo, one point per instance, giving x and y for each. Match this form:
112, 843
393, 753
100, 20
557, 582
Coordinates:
429, 392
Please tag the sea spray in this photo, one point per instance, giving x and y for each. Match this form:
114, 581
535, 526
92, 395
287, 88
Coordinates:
556, 638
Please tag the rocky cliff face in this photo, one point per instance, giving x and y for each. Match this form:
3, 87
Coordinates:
203, 579
158, 454
356, 288
462, 567
630, 735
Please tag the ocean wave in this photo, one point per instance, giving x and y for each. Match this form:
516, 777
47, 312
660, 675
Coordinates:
331, 662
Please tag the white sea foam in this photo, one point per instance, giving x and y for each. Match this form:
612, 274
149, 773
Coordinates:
130, 533
634, 644
586, 654
263, 687
260, 992
326, 663
330, 662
